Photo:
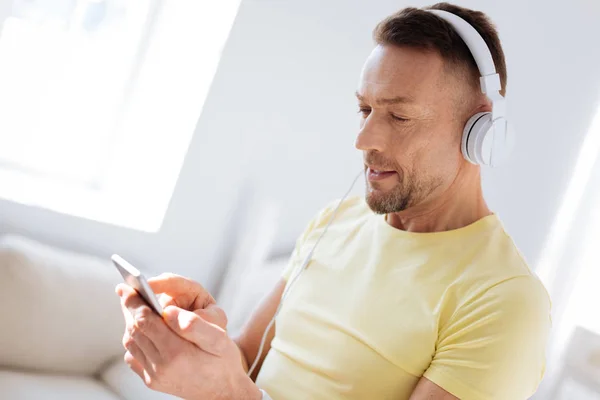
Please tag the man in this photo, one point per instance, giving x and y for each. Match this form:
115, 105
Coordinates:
415, 292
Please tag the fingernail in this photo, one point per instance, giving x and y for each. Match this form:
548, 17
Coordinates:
169, 312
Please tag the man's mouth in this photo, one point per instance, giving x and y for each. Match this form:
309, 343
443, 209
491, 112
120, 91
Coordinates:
379, 174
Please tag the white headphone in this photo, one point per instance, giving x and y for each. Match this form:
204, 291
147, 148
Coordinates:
486, 138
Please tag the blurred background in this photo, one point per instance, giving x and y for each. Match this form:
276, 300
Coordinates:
199, 137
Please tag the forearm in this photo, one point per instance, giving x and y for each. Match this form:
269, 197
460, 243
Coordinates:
251, 336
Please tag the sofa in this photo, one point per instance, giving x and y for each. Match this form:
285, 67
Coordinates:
61, 324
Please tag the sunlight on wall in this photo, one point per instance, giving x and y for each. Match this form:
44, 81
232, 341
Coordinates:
583, 304
574, 289
552, 252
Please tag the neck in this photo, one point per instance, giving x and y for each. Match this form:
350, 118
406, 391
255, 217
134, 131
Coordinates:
461, 204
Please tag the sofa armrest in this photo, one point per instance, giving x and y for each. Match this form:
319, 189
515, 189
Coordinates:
60, 313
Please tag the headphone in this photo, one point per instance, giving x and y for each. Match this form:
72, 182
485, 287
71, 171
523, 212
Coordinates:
486, 138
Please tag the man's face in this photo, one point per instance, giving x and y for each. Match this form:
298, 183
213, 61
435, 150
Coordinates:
410, 130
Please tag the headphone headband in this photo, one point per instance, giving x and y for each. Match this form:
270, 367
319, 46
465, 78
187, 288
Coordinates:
478, 48
489, 80
490, 86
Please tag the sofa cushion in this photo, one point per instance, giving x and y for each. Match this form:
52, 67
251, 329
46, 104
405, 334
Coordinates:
35, 386
59, 310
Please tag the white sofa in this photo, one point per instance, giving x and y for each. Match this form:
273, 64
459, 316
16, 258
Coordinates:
61, 327
61, 324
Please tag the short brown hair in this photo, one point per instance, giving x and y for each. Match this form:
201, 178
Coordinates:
414, 27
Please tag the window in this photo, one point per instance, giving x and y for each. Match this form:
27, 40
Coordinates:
99, 100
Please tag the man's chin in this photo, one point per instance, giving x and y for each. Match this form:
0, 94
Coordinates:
376, 203
385, 203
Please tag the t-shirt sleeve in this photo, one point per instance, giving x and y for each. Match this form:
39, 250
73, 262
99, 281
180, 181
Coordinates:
294, 260
493, 347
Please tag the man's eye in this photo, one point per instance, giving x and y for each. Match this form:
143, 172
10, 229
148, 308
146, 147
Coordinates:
400, 119
365, 111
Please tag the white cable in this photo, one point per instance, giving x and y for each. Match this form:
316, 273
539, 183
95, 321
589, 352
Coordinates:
302, 268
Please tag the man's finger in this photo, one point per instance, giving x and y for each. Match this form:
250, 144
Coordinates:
165, 300
172, 283
129, 297
145, 320
209, 337
119, 289
133, 349
127, 315
178, 287
134, 364
150, 351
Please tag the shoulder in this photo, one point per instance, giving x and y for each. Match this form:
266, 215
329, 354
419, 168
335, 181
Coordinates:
524, 297
494, 264
504, 249
515, 308
515, 284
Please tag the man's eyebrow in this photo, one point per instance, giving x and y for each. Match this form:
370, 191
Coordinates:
392, 100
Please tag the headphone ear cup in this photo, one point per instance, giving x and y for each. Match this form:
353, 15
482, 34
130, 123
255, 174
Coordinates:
502, 143
475, 148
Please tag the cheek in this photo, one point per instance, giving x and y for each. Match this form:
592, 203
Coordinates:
406, 144
432, 155
411, 144
441, 161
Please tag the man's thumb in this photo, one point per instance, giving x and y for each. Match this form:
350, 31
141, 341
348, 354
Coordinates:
213, 314
194, 328
178, 319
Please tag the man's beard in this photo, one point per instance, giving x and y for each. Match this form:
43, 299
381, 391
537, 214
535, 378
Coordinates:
401, 197
397, 199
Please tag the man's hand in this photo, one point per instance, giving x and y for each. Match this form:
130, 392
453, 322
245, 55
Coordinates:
183, 353
176, 290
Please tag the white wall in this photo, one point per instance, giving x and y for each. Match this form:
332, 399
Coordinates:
282, 113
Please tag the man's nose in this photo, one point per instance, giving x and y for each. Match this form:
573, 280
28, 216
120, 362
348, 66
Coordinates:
372, 135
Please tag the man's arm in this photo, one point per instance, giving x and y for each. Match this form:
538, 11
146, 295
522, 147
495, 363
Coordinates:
427, 390
252, 333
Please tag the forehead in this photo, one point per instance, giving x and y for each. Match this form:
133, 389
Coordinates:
392, 71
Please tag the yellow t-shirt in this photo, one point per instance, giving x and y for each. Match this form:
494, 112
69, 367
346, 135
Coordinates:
378, 308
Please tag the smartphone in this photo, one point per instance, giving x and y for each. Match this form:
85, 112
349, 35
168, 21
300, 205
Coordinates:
134, 278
